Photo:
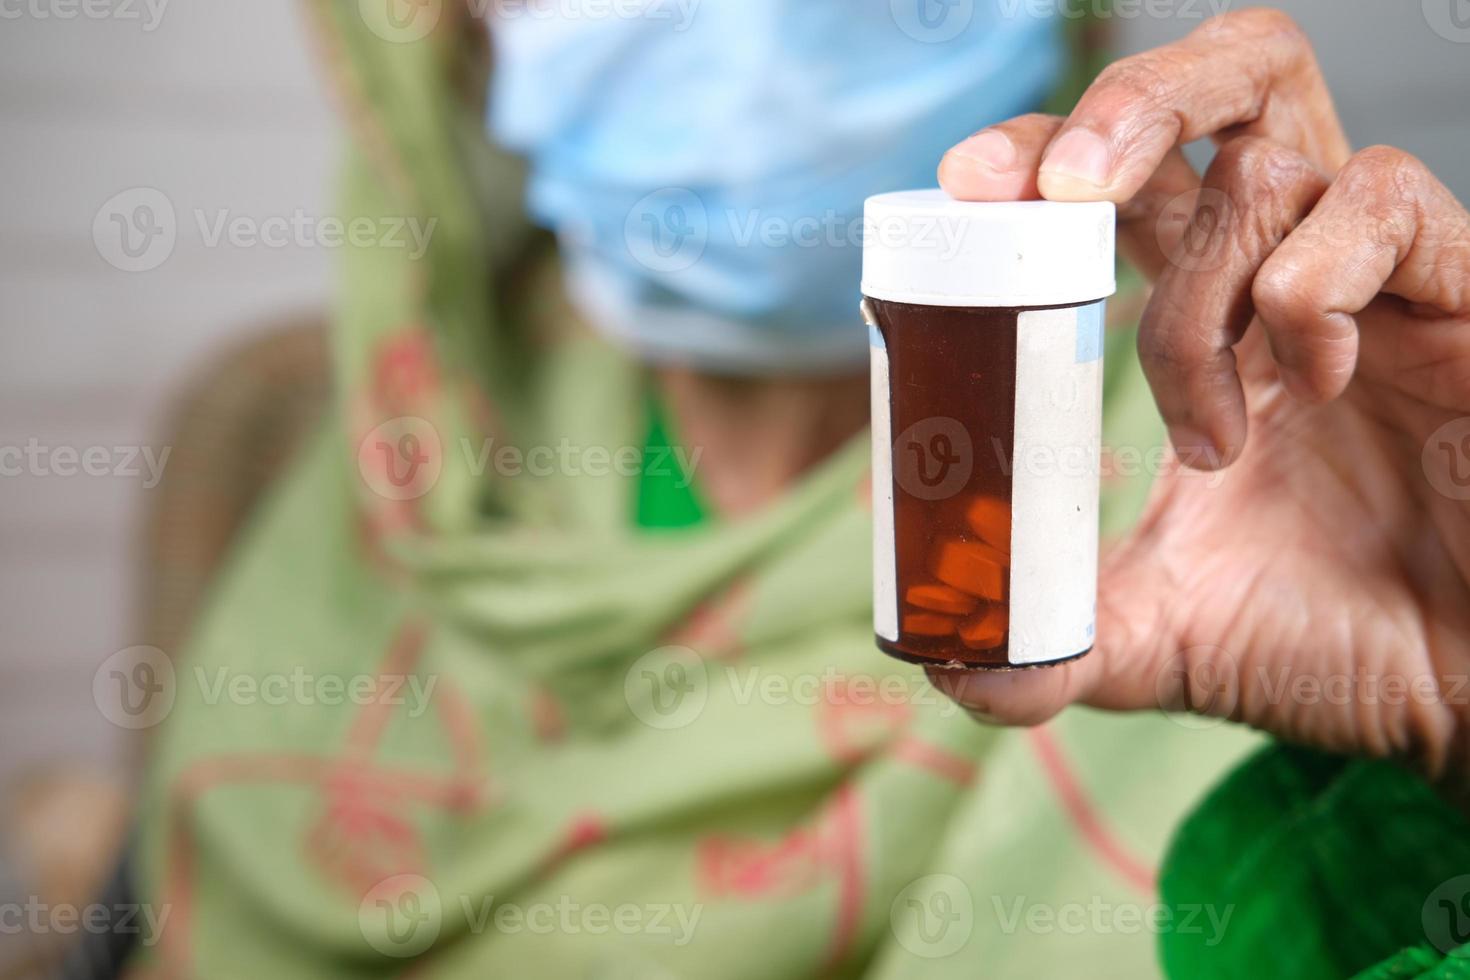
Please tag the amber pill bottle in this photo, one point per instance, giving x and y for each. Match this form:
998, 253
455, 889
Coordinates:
985, 322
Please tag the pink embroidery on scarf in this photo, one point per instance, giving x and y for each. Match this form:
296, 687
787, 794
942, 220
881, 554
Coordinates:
1084, 814
586, 831
410, 786
713, 628
548, 720
405, 371
404, 651
361, 837
847, 834
360, 841
754, 869
943, 763
854, 720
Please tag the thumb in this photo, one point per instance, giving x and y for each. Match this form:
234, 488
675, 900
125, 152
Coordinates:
1127, 670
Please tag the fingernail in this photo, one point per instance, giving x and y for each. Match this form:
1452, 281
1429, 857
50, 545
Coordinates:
989, 148
1079, 161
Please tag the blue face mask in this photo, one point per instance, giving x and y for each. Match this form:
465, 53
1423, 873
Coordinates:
704, 162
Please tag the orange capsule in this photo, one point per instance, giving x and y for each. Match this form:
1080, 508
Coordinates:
990, 518
985, 630
941, 599
929, 624
974, 568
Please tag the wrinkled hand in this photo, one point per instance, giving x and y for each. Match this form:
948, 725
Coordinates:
1310, 329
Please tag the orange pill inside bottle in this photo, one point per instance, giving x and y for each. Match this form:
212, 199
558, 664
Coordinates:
985, 323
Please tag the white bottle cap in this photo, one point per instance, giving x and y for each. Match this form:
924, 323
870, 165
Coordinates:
924, 247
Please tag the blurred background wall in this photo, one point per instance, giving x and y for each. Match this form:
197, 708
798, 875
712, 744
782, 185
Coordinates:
1400, 70
216, 106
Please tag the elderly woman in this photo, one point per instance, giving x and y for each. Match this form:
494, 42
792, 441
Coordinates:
573, 593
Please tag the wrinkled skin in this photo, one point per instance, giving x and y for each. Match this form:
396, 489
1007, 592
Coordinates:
1309, 336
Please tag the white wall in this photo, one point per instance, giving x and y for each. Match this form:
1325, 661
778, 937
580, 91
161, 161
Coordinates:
217, 107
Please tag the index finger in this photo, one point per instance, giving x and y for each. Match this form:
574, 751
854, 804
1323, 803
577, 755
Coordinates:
1246, 73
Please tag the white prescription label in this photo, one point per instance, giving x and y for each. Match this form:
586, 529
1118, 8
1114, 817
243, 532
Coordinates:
1055, 468
885, 572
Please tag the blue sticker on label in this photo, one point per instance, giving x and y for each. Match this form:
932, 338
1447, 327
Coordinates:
1089, 332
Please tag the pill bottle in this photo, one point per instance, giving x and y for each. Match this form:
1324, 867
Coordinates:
985, 322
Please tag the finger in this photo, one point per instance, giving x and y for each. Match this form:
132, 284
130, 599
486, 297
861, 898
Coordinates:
1246, 73
1133, 645
1254, 193
1000, 163
1386, 225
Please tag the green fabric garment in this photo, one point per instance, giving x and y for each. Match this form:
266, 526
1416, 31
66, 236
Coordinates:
1327, 867
667, 497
